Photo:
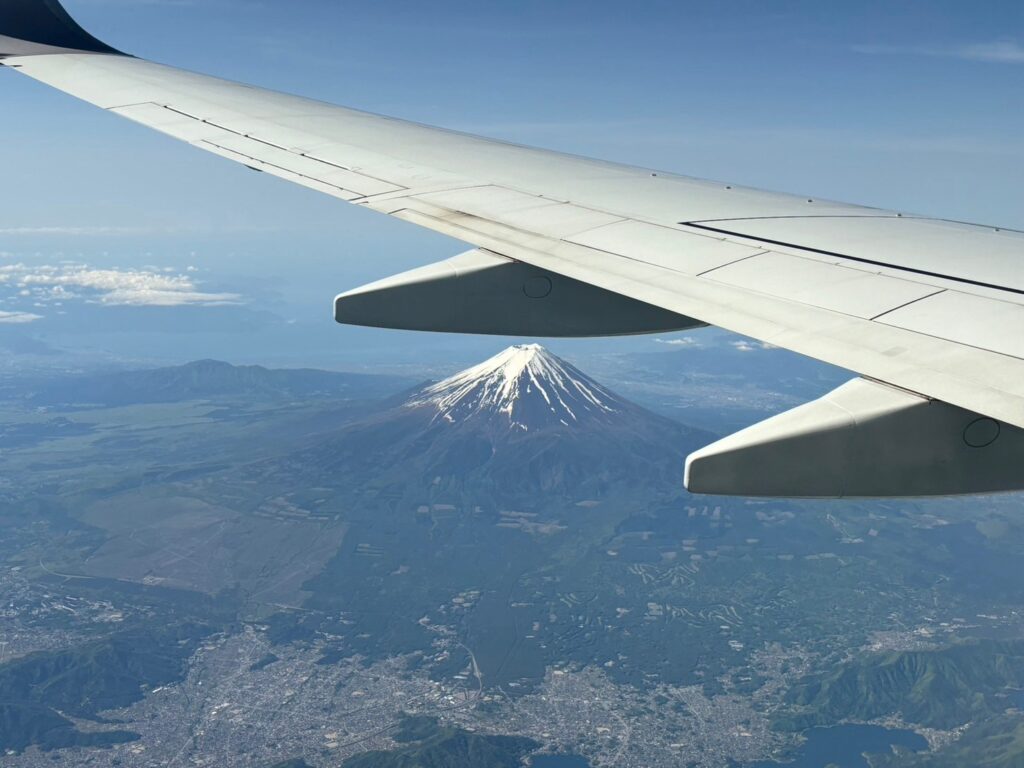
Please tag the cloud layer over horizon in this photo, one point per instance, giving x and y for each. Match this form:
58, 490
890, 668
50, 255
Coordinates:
31, 287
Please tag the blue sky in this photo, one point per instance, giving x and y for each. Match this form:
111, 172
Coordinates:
911, 105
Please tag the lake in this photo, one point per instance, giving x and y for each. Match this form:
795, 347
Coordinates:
844, 745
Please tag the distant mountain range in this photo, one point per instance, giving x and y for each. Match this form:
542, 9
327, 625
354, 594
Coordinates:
523, 427
206, 379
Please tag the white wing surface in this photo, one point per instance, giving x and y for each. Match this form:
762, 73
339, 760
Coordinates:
931, 309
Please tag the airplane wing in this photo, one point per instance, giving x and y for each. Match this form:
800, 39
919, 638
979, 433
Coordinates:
929, 312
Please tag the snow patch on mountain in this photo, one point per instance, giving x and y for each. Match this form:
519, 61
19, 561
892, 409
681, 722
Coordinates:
525, 384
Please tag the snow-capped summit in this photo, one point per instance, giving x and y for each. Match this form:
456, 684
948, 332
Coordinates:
514, 432
525, 384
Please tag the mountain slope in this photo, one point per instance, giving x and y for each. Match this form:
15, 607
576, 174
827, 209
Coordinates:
937, 688
524, 427
425, 744
996, 741
38, 690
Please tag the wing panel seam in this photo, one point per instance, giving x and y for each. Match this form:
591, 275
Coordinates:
250, 137
859, 259
907, 304
281, 168
729, 263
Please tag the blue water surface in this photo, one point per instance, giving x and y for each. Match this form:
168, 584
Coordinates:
845, 745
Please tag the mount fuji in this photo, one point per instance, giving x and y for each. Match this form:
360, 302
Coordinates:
522, 427
521, 388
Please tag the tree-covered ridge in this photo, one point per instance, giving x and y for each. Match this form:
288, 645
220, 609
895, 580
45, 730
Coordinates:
941, 688
25, 725
37, 691
996, 742
426, 745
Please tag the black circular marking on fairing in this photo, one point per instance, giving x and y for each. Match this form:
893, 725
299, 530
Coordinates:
47, 23
537, 287
982, 432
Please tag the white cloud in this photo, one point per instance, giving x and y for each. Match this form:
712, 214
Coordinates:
113, 287
997, 51
1002, 51
18, 318
685, 341
749, 345
151, 297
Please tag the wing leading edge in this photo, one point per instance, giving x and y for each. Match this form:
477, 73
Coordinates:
930, 308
